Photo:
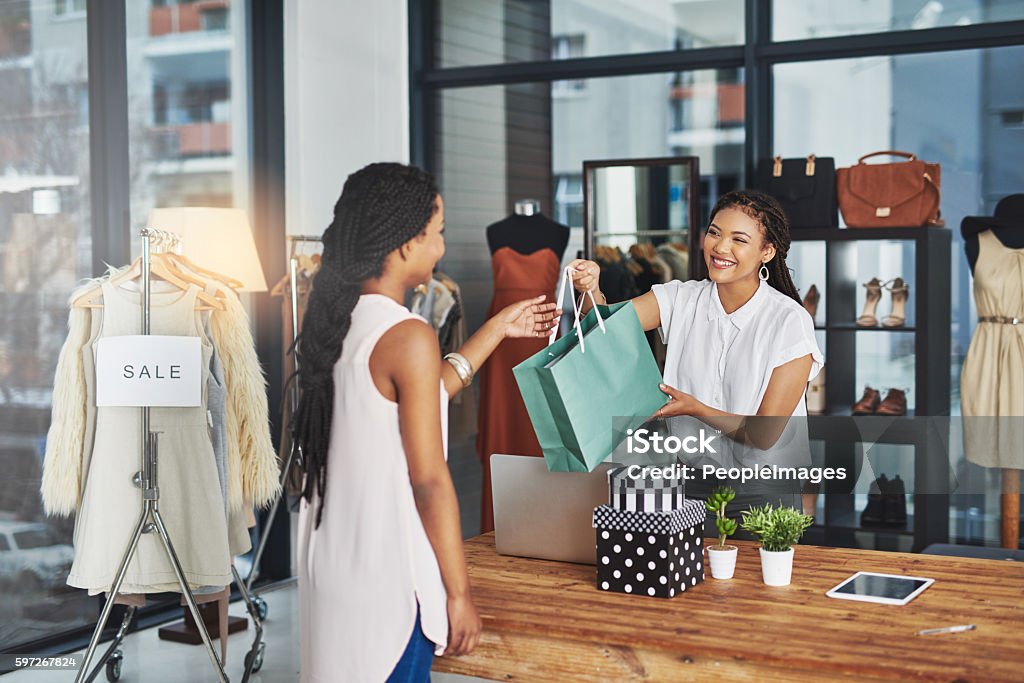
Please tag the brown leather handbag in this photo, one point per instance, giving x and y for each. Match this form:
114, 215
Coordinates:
903, 194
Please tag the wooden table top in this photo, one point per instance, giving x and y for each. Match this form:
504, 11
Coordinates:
546, 621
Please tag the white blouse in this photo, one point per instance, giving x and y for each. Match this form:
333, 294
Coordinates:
725, 360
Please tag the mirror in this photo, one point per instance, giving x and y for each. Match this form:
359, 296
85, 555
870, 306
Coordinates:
650, 203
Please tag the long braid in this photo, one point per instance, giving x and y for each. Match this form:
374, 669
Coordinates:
766, 210
382, 206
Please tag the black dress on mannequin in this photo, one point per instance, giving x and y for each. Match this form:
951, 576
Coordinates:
990, 380
526, 255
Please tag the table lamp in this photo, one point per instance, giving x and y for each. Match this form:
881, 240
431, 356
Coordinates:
217, 239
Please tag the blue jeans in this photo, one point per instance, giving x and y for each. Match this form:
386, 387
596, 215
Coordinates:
414, 666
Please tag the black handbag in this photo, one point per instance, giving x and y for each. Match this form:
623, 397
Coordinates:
806, 189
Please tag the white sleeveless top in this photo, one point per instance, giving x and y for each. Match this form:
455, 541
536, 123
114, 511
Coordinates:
362, 572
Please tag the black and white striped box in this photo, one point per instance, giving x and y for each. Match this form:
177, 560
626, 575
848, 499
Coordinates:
629, 491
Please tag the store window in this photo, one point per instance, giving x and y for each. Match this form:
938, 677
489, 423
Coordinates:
187, 115
62, 7
796, 19
569, 199
473, 32
497, 144
954, 108
568, 47
45, 249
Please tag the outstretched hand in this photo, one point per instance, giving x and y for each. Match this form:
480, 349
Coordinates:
528, 318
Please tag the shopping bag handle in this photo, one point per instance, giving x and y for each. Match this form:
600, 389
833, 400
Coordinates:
576, 307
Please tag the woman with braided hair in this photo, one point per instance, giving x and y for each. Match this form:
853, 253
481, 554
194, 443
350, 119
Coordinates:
739, 343
380, 548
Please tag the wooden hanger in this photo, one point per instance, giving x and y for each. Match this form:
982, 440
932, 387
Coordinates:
199, 270
159, 268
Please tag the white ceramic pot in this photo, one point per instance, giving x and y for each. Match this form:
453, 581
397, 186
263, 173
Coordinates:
723, 562
776, 567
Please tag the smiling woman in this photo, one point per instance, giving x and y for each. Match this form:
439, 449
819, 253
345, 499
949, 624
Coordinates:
739, 343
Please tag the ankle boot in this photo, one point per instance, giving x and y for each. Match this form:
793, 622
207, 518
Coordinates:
894, 403
868, 403
894, 503
873, 514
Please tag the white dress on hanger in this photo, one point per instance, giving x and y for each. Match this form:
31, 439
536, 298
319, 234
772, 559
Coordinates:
362, 572
191, 503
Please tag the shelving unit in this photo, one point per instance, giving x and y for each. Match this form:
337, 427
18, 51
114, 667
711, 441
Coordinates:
928, 317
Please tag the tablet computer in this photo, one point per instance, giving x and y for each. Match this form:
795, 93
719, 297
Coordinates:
888, 589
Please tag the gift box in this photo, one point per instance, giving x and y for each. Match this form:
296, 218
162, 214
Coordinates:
659, 554
644, 493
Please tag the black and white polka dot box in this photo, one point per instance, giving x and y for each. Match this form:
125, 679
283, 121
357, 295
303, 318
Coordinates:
638, 489
658, 554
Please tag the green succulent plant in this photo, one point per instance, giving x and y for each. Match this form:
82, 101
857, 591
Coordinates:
716, 503
778, 528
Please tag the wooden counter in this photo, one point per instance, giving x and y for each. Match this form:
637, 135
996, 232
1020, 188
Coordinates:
545, 621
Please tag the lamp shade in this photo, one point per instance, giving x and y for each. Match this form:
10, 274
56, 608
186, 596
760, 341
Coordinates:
218, 239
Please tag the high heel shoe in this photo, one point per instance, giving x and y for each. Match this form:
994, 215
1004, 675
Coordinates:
811, 300
900, 291
867, 317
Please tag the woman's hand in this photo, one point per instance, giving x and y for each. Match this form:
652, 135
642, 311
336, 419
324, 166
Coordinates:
585, 275
679, 403
464, 626
528, 318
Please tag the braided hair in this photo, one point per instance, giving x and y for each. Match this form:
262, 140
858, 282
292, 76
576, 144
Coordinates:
382, 206
767, 212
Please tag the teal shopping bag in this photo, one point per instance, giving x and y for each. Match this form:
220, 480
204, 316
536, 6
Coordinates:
576, 386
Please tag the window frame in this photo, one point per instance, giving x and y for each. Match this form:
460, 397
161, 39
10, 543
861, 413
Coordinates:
756, 57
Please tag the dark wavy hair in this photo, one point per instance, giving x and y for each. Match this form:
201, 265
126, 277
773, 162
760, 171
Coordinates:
766, 211
382, 206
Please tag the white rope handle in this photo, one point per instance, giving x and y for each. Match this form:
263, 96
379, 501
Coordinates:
577, 309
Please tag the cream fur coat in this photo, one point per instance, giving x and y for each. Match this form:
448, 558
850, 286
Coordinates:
252, 462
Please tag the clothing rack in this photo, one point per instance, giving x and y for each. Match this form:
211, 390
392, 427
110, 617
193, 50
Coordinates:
295, 452
150, 521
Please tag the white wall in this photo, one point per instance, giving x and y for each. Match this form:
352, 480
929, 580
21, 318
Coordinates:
346, 99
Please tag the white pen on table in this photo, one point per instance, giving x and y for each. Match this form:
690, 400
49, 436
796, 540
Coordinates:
947, 629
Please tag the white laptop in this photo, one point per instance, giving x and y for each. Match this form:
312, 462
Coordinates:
542, 514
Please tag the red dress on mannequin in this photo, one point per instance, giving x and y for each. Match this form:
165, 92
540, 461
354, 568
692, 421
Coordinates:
503, 423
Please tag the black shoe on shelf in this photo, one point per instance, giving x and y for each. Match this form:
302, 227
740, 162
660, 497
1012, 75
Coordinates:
894, 503
873, 514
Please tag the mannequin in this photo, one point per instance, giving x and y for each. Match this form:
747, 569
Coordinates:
528, 230
1005, 228
526, 255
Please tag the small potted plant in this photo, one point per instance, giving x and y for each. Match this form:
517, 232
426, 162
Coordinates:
778, 529
722, 556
